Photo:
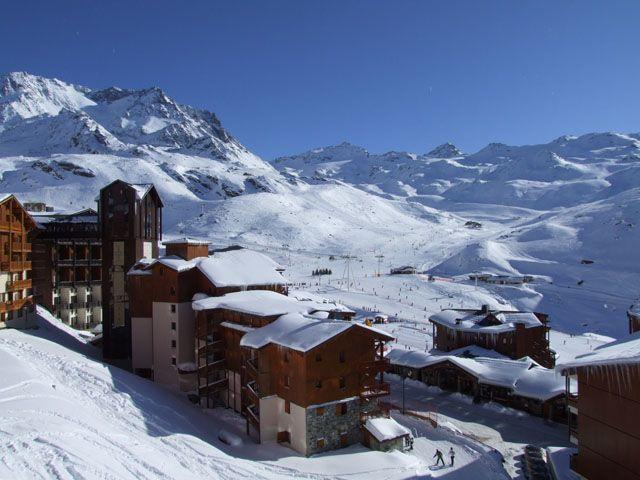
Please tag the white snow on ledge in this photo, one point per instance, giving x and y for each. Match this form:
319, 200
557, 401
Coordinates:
625, 351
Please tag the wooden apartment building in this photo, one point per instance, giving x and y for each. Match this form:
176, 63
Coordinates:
603, 387
222, 325
130, 216
67, 266
512, 333
17, 307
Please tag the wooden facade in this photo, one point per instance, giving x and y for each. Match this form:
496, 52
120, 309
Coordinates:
515, 343
16, 290
67, 267
634, 320
131, 220
606, 423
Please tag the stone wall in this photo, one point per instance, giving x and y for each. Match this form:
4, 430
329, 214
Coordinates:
330, 426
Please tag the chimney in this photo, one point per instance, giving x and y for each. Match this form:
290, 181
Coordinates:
485, 309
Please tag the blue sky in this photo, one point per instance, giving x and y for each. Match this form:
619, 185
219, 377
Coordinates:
286, 76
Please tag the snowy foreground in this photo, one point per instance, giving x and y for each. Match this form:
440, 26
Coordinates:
68, 415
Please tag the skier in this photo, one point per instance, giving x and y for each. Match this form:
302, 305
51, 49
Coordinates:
440, 457
452, 454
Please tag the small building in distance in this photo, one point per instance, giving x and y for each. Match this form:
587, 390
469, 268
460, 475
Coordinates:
522, 384
404, 270
38, 207
604, 424
67, 266
514, 334
17, 306
501, 279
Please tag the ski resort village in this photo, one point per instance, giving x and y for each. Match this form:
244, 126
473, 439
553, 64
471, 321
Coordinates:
172, 306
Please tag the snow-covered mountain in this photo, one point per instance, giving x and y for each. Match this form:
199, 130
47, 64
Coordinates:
542, 209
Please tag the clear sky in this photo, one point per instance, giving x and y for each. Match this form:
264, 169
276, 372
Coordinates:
286, 76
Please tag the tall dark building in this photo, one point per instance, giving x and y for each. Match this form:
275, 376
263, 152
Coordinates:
131, 220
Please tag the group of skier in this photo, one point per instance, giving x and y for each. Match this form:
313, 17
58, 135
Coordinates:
439, 456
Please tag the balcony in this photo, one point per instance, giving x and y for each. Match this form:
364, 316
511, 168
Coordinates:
17, 304
15, 266
378, 365
212, 347
212, 367
19, 247
375, 389
213, 387
14, 226
252, 391
14, 285
573, 400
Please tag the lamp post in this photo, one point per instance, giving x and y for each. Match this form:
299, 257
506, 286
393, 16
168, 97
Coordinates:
404, 377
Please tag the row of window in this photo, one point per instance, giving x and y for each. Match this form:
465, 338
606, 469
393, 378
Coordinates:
341, 409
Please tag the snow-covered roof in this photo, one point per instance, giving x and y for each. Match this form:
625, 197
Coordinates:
326, 305
256, 302
620, 352
523, 377
384, 429
634, 310
187, 240
240, 267
232, 268
300, 332
470, 320
5, 196
141, 189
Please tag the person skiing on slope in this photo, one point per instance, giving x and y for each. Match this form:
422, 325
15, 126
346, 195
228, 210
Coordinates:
452, 454
440, 457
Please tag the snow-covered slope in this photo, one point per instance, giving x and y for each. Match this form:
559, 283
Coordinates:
67, 415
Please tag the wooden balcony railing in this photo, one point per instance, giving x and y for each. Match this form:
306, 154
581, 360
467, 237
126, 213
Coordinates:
15, 226
14, 285
15, 266
13, 305
375, 389
213, 387
573, 400
253, 414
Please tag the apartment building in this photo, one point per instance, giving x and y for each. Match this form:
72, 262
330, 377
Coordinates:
130, 216
603, 387
17, 307
514, 334
67, 266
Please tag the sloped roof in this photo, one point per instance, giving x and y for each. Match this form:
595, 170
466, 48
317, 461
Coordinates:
301, 332
186, 240
621, 352
470, 321
384, 429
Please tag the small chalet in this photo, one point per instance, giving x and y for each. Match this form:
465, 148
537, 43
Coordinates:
521, 384
514, 334
603, 420
386, 434
404, 270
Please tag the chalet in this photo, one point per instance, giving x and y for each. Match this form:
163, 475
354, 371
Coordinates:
633, 314
67, 266
16, 293
522, 384
603, 423
131, 219
512, 333
311, 382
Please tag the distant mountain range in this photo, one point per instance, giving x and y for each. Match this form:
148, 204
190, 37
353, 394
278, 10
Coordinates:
542, 208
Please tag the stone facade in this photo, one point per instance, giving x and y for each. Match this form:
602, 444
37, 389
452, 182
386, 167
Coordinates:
338, 430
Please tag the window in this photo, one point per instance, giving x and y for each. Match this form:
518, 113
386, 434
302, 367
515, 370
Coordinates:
172, 290
343, 382
173, 344
173, 360
342, 357
318, 357
320, 411
341, 409
287, 406
173, 325
287, 381
286, 356
161, 271
173, 308
318, 383
320, 443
